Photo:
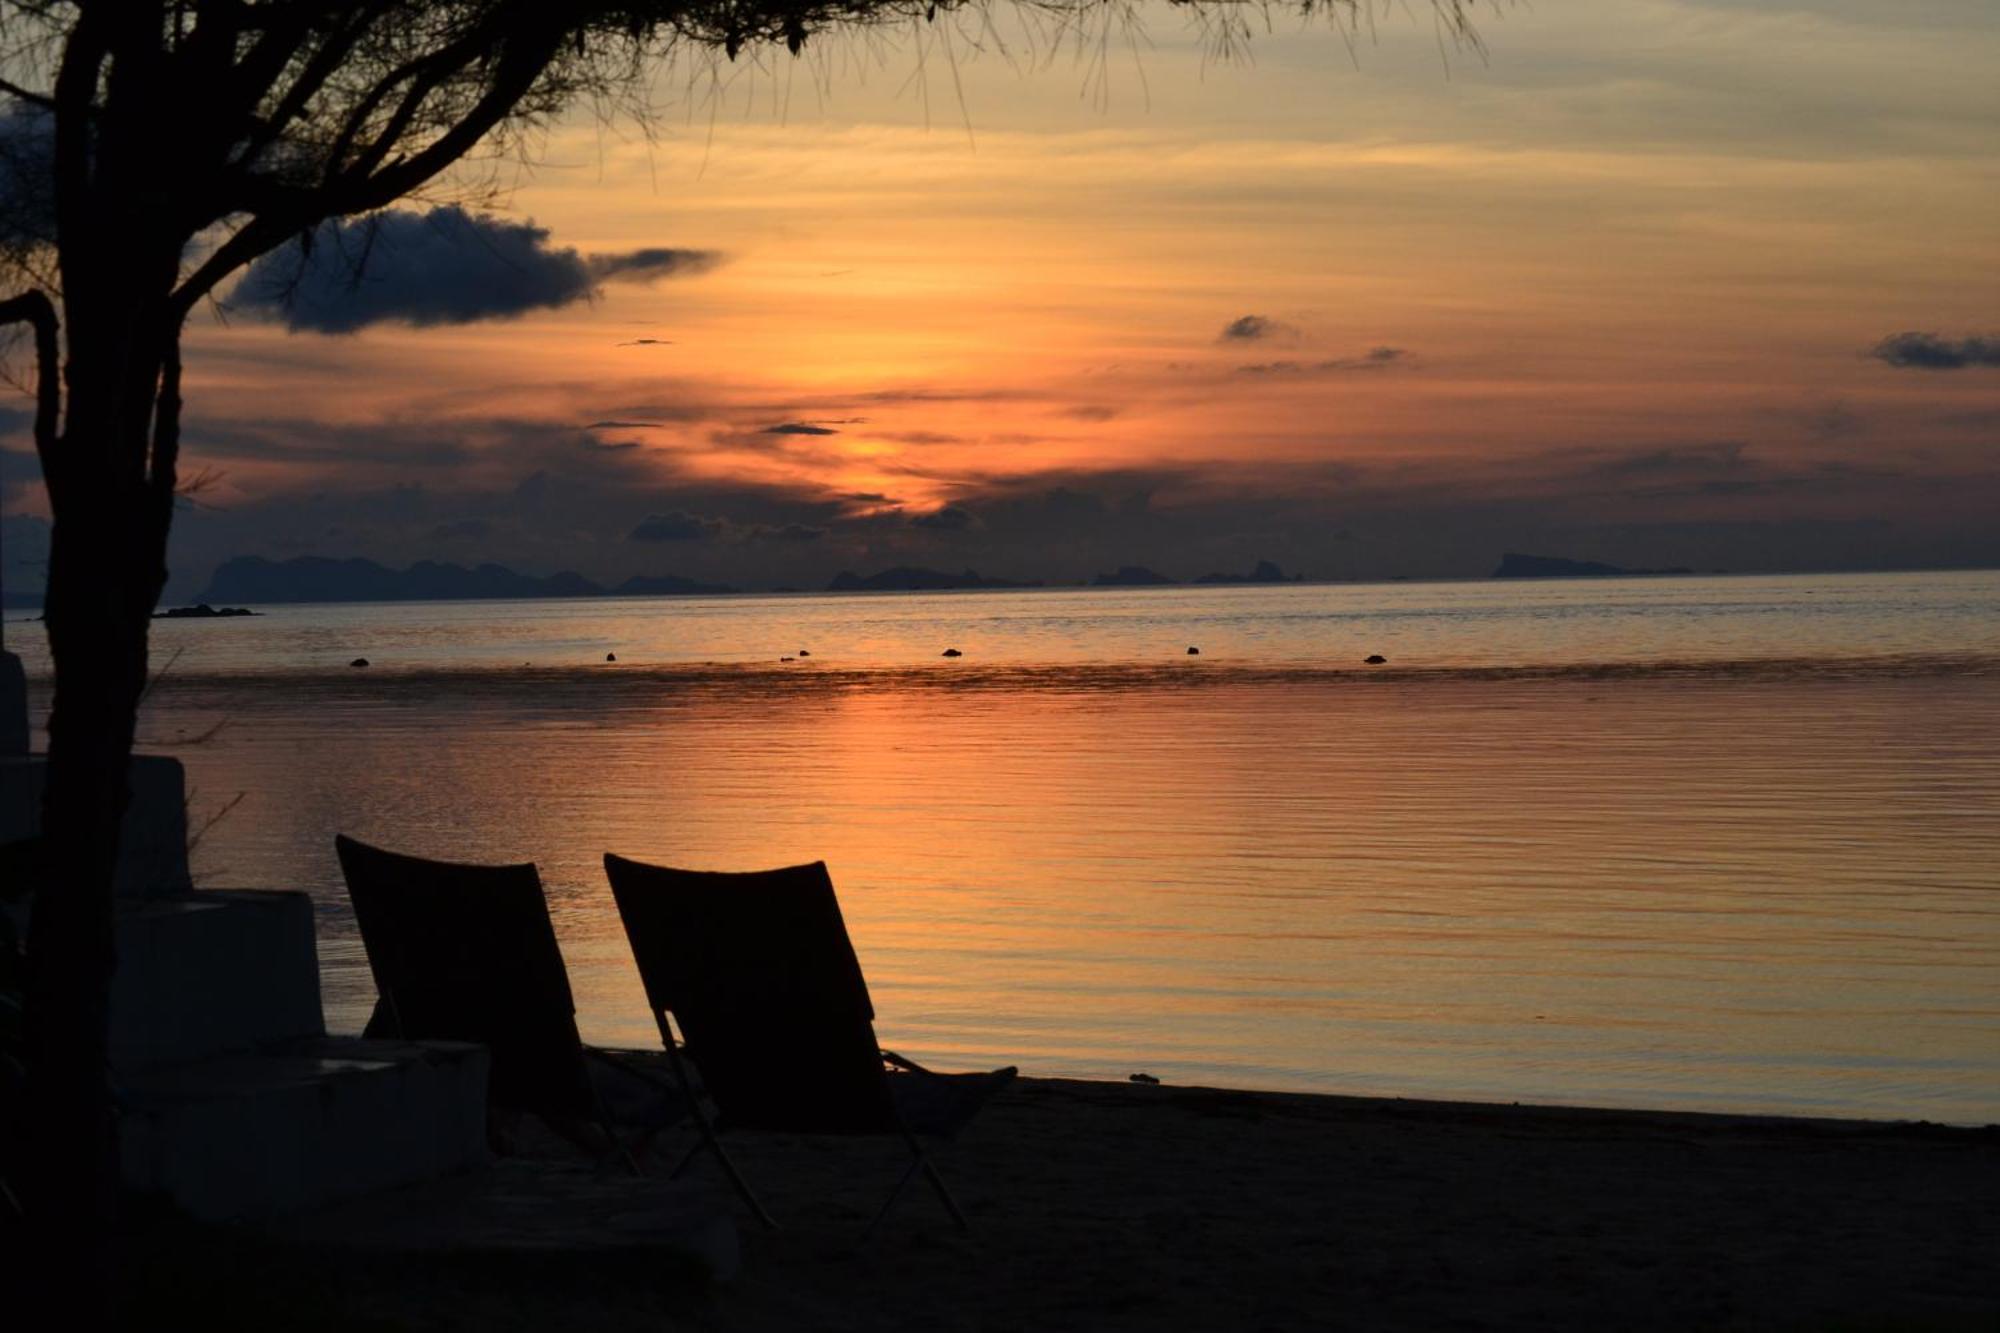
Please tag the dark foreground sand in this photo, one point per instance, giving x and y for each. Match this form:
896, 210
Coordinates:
1121, 1206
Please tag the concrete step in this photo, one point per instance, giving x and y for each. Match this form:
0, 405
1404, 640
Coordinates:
152, 843
246, 1137
535, 1206
212, 973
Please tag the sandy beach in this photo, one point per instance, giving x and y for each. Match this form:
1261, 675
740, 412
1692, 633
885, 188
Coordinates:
1118, 1206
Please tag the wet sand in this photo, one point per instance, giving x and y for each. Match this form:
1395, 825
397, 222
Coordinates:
1118, 1206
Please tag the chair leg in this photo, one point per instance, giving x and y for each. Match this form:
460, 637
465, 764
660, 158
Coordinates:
916, 1165
609, 1129
950, 1204
919, 1161
687, 1158
707, 1127
743, 1187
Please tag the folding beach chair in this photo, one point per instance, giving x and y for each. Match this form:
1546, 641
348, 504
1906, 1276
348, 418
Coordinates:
758, 972
467, 953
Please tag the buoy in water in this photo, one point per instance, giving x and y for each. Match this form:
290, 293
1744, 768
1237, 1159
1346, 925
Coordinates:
611, 657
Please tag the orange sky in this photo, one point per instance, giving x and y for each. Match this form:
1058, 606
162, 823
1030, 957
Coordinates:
1631, 266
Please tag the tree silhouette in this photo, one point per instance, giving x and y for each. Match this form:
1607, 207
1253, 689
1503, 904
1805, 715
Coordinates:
171, 143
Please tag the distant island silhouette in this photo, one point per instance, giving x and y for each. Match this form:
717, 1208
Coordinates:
1133, 576
1138, 576
203, 612
1516, 566
1265, 572
911, 578
311, 578
257, 580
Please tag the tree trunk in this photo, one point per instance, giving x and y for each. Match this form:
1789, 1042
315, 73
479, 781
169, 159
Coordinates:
107, 566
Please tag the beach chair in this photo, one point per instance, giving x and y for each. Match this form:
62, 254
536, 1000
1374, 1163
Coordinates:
467, 953
758, 973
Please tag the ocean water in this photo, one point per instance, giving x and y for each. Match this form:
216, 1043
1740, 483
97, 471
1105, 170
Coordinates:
1720, 843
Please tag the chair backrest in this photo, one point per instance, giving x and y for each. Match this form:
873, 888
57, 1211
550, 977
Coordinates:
467, 953
759, 973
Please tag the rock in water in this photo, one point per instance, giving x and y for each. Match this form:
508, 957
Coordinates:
952, 652
359, 661
1193, 651
804, 653
1374, 659
611, 657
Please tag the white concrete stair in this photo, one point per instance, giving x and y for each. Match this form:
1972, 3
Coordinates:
253, 1136
211, 973
152, 842
234, 1103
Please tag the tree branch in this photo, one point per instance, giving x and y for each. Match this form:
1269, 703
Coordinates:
32, 98
164, 477
35, 309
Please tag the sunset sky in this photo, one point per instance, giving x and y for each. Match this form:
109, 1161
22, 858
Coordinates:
1630, 286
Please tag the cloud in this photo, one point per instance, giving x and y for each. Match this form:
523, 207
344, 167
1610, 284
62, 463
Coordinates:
647, 342
950, 518
797, 428
1255, 328
1377, 358
653, 263
1928, 351
446, 266
676, 526
464, 528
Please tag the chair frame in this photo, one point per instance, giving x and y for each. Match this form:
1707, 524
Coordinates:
602, 1119
712, 1140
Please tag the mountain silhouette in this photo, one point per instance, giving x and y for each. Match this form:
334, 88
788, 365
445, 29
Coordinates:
312, 578
1265, 572
1132, 576
1513, 565
909, 578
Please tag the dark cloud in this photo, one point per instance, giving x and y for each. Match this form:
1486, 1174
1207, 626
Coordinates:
446, 266
676, 526
1668, 461
1255, 328
1929, 351
950, 518
463, 529
623, 425
652, 263
647, 342
797, 428
610, 446
1377, 358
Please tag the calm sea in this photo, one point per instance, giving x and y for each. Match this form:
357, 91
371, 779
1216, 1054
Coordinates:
1725, 843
